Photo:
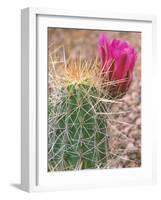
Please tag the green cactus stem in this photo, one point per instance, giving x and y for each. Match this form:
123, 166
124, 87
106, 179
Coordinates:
78, 136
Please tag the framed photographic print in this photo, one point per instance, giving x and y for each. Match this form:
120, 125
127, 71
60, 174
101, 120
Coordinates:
86, 106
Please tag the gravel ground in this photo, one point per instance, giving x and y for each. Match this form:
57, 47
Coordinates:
125, 137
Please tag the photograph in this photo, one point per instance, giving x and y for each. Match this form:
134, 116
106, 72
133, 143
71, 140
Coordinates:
94, 99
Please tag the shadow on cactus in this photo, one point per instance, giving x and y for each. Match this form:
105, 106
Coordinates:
80, 103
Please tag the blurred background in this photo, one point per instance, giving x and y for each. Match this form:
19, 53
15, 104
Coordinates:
125, 137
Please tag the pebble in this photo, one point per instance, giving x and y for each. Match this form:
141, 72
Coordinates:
134, 95
138, 122
135, 134
130, 146
132, 156
123, 144
132, 140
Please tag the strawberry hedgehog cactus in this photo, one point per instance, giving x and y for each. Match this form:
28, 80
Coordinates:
78, 106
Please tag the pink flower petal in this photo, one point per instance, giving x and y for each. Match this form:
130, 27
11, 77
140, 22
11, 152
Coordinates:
104, 48
122, 67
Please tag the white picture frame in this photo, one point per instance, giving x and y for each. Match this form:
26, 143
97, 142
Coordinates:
34, 176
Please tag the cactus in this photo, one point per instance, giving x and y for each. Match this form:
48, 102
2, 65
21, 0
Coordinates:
80, 133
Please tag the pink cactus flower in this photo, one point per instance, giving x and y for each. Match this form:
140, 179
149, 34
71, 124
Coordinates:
117, 60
